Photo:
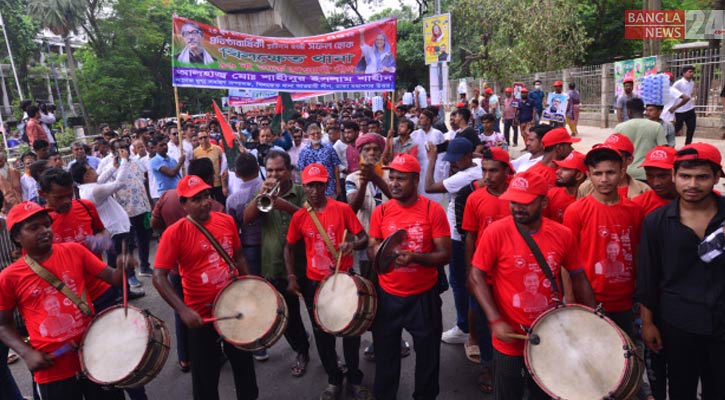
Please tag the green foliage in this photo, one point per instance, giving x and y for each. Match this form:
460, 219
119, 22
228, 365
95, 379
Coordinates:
65, 138
21, 29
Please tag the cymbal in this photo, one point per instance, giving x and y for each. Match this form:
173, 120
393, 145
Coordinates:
388, 251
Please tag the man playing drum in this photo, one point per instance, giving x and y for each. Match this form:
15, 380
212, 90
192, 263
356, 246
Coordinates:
520, 290
275, 224
56, 318
409, 295
204, 273
323, 223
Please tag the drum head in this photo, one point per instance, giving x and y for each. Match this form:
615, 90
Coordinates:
257, 301
115, 344
388, 251
336, 308
580, 355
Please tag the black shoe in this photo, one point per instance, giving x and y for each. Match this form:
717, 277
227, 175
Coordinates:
133, 295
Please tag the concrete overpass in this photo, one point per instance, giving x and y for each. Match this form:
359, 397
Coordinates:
277, 18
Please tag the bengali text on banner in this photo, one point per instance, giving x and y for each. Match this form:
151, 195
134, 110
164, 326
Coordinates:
356, 59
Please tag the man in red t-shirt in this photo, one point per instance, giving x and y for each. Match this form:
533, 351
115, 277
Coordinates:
627, 186
557, 146
511, 287
336, 218
607, 227
571, 173
204, 274
658, 165
55, 323
483, 207
409, 294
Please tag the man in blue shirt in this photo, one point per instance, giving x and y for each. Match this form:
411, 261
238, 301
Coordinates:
525, 112
165, 168
537, 95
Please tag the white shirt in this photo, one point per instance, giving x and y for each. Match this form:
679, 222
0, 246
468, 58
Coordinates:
525, 162
686, 87
453, 185
674, 98
434, 136
29, 187
188, 152
153, 187
113, 216
341, 150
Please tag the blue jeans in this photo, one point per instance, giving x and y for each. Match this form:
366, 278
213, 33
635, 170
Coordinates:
182, 332
457, 280
253, 255
8, 388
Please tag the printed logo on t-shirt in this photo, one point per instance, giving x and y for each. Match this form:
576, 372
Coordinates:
530, 300
217, 272
616, 265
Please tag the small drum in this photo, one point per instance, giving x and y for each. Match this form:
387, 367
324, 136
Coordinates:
263, 309
124, 351
581, 354
345, 304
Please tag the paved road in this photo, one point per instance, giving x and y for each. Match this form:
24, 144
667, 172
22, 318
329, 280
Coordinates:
457, 376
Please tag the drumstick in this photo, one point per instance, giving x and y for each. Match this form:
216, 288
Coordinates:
534, 339
215, 319
339, 258
66, 348
125, 281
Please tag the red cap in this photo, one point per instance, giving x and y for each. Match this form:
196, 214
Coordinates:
508, 90
315, 172
704, 151
404, 163
575, 160
558, 83
461, 105
488, 90
603, 146
22, 211
669, 75
525, 187
620, 142
524, 90
191, 185
558, 135
628, 80
499, 154
660, 157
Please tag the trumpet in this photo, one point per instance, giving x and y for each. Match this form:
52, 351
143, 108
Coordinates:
265, 202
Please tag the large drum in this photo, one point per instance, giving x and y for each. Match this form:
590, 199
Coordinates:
263, 313
576, 353
122, 350
345, 304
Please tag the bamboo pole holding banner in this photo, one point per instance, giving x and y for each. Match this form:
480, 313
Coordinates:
178, 125
392, 110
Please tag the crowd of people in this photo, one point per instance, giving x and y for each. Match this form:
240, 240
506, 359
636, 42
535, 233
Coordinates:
616, 227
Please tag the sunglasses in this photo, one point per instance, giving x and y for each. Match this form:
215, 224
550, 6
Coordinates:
203, 137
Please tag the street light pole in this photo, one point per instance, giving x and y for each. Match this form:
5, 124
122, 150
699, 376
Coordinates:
10, 53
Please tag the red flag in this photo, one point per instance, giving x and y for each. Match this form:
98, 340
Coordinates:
227, 131
278, 108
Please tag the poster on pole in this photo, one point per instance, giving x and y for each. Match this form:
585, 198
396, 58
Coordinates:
362, 58
636, 69
556, 109
437, 38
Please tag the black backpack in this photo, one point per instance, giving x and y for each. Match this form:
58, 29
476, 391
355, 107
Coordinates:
460, 204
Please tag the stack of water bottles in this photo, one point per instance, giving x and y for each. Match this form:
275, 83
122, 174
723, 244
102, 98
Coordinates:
655, 89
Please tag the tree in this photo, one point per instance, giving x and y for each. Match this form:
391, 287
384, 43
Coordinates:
63, 17
21, 30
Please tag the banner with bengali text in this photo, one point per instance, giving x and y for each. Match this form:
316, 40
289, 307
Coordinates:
437, 38
238, 98
636, 69
356, 59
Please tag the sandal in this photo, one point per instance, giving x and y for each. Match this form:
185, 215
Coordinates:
473, 353
12, 357
485, 381
300, 365
184, 366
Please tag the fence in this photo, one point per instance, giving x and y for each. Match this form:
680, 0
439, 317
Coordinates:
596, 86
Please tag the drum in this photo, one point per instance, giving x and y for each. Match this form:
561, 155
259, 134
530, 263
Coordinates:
264, 313
124, 351
345, 304
576, 353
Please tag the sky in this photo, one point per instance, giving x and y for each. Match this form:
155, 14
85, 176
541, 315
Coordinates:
367, 9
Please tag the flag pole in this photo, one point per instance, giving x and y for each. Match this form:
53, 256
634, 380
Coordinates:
178, 123
392, 110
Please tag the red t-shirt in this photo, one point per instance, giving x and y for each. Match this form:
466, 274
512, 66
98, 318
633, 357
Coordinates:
51, 318
424, 221
335, 218
81, 221
549, 173
482, 209
608, 237
520, 289
204, 273
649, 201
559, 200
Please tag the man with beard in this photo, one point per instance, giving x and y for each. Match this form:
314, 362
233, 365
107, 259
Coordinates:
400, 144
571, 173
335, 220
409, 294
557, 146
165, 168
621, 104
658, 167
680, 295
497, 278
534, 148
324, 154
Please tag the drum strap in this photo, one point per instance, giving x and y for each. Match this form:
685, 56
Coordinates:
60, 286
323, 234
215, 243
539, 257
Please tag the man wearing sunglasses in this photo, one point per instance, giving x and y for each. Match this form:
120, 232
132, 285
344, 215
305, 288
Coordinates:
194, 52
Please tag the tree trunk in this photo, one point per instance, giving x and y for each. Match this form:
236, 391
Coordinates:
76, 89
